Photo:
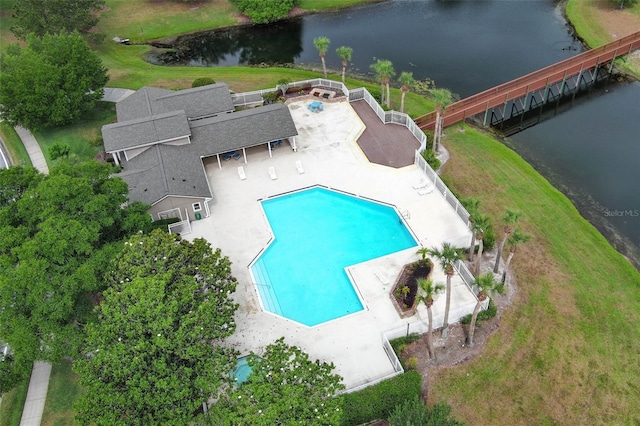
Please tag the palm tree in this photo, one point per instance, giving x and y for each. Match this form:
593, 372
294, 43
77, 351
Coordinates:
384, 72
509, 219
442, 98
322, 44
407, 80
345, 54
472, 205
447, 257
482, 223
429, 290
515, 239
487, 284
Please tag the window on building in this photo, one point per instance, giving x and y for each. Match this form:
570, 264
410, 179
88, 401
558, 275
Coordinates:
197, 207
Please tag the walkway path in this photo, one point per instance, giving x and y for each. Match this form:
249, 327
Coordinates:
36, 395
39, 383
33, 149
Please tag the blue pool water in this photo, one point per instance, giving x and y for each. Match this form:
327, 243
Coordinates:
242, 370
318, 232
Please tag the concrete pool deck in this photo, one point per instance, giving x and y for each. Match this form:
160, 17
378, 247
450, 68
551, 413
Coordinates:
330, 157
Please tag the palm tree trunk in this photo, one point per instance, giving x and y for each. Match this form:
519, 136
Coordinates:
402, 101
508, 261
472, 248
324, 67
381, 93
479, 258
344, 71
496, 267
447, 305
430, 334
388, 96
472, 326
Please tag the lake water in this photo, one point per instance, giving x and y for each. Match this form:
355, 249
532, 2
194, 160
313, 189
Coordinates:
590, 151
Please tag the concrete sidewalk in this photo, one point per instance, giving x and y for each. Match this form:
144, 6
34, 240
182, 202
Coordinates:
115, 94
36, 395
33, 149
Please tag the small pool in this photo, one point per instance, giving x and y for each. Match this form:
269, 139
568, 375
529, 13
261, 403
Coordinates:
242, 370
318, 233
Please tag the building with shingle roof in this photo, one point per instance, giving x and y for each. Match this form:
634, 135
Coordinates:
162, 136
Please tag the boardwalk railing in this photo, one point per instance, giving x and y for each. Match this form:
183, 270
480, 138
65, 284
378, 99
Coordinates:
255, 97
441, 187
389, 117
514, 89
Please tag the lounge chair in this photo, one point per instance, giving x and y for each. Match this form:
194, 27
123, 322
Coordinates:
425, 190
423, 183
241, 173
272, 173
236, 156
381, 276
299, 167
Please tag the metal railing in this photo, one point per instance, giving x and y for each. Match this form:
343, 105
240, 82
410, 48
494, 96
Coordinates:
441, 187
255, 97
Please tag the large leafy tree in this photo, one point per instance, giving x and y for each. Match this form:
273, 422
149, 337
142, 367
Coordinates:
51, 82
57, 233
285, 387
155, 355
265, 11
42, 17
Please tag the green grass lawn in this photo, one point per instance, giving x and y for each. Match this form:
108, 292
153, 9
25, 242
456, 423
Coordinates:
84, 138
13, 404
14, 145
63, 391
567, 351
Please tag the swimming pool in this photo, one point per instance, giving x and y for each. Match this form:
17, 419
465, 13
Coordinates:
241, 373
317, 233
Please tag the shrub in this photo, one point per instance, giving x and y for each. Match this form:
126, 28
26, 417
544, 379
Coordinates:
489, 239
272, 98
412, 363
265, 11
431, 159
379, 401
414, 412
399, 344
202, 81
490, 312
59, 150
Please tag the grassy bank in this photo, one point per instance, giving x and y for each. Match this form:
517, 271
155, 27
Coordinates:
14, 145
599, 22
62, 393
13, 403
566, 352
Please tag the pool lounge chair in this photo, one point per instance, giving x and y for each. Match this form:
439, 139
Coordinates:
426, 189
299, 167
381, 276
272, 173
241, 173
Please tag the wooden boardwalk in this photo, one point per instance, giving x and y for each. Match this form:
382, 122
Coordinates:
391, 145
535, 81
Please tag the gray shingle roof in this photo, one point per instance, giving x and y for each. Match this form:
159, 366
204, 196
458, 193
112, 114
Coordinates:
151, 116
164, 170
242, 129
204, 101
145, 131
